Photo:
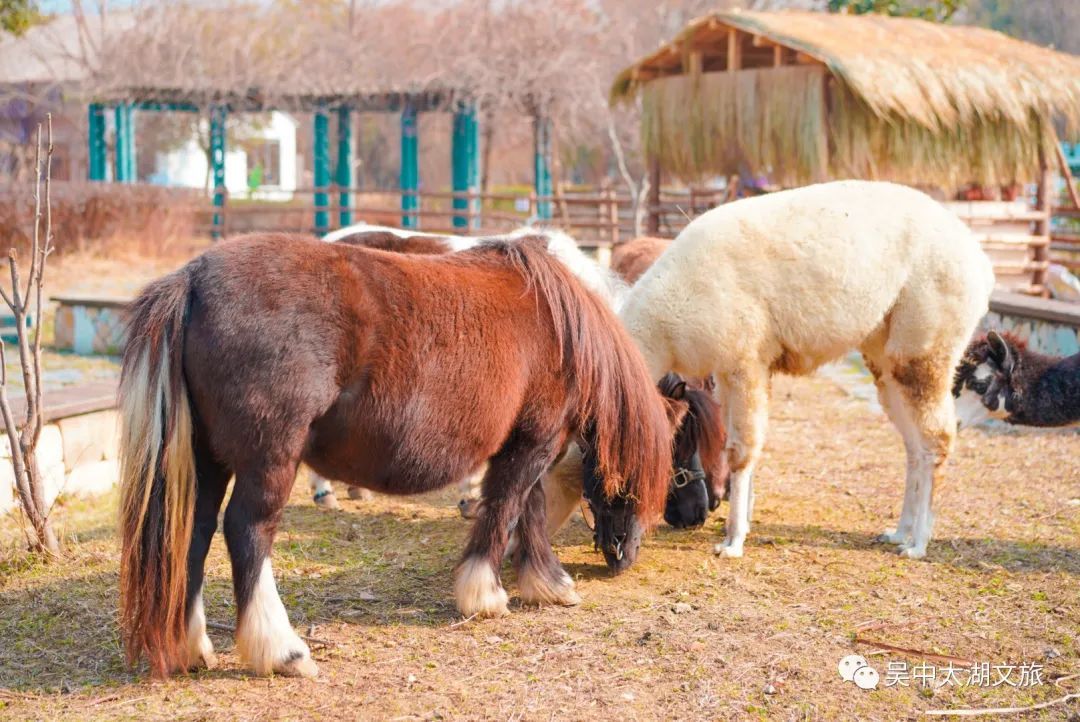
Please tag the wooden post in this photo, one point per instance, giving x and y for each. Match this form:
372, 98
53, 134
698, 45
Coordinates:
1044, 201
410, 167
344, 174
613, 215
777, 55
321, 171
734, 50
652, 225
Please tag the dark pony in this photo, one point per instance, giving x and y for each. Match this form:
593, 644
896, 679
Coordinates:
701, 469
399, 373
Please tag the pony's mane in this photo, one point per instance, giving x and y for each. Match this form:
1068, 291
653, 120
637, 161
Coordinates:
603, 365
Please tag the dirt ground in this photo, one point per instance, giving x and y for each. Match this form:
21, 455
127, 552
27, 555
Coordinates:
683, 634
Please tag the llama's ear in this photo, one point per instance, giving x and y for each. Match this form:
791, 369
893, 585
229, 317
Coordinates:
1000, 352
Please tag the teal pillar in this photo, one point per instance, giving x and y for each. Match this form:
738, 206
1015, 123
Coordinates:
95, 143
321, 171
218, 115
542, 166
410, 168
344, 174
124, 148
463, 159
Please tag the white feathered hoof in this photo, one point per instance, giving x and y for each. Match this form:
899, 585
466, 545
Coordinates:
303, 666
327, 501
537, 590
478, 591
359, 493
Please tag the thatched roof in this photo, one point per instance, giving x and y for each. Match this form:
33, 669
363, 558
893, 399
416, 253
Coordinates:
890, 97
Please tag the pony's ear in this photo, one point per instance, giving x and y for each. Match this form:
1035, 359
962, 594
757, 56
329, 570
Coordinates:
676, 411
1000, 352
678, 391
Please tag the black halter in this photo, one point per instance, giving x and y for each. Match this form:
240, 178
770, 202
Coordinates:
615, 528
685, 475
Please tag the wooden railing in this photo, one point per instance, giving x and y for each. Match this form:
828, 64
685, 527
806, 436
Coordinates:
1065, 238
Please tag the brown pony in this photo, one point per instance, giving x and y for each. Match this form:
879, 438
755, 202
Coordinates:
632, 258
400, 373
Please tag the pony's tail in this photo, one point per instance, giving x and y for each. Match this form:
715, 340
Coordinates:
620, 410
157, 477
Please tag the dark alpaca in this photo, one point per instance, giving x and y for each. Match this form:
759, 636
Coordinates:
399, 373
999, 377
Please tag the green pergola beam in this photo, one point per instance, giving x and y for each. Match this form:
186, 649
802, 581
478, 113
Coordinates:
321, 171
218, 115
95, 143
344, 174
463, 159
410, 168
542, 166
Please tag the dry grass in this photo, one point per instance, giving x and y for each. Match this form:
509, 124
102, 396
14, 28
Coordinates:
683, 634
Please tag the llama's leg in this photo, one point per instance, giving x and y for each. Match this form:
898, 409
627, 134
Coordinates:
563, 489
471, 493
212, 480
925, 385
322, 492
747, 396
264, 638
541, 579
894, 402
510, 476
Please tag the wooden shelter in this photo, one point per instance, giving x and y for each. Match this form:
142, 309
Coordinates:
803, 97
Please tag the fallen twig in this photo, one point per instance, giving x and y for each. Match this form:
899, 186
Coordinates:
999, 710
466, 620
232, 630
913, 652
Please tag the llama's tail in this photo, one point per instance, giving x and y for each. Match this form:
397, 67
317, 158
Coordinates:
157, 476
619, 404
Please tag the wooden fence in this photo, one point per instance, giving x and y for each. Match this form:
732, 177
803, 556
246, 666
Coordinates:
1016, 237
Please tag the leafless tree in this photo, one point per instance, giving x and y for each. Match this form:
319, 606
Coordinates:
24, 302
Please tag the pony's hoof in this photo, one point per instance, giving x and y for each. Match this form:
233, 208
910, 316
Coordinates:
540, 592
469, 508
729, 550
359, 493
301, 667
892, 536
913, 552
205, 660
327, 501
478, 591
